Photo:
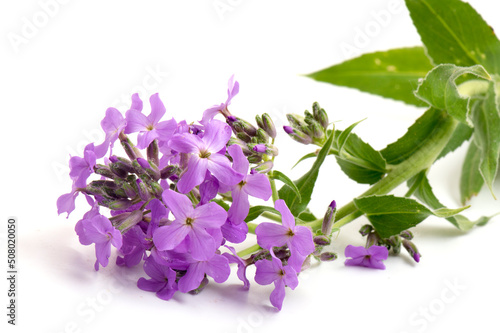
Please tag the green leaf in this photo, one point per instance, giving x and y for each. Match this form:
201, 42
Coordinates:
257, 211
305, 184
341, 140
486, 119
471, 180
392, 74
305, 157
453, 32
359, 161
275, 174
461, 134
440, 90
390, 215
307, 216
416, 136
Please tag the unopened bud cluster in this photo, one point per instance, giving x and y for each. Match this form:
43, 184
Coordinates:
310, 128
256, 142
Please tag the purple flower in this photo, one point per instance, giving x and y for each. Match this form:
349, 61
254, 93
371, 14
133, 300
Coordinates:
298, 238
149, 127
232, 90
217, 267
234, 233
204, 155
82, 168
162, 280
256, 185
191, 223
371, 257
98, 230
268, 272
112, 124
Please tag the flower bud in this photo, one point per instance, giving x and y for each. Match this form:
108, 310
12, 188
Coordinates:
118, 170
168, 171
126, 221
262, 136
157, 189
326, 227
262, 168
129, 190
120, 204
298, 135
328, 256
321, 240
320, 115
128, 149
365, 230
243, 136
153, 152
143, 190
372, 239
268, 125
395, 242
412, 249
239, 125
317, 130
406, 235
104, 170
258, 120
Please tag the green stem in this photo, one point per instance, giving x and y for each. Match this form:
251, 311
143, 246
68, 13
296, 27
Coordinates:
420, 160
275, 195
250, 250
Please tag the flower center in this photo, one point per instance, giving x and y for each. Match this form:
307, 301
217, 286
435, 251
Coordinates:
242, 183
204, 154
290, 233
189, 221
150, 127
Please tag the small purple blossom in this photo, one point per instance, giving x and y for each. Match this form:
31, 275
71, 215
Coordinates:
149, 127
162, 280
204, 155
298, 238
82, 168
271, 271
194, 224
232, 90
217, 267
256, 185
368, 257
112, 124
98, 230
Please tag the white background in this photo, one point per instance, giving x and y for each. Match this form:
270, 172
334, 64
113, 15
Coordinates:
64, 69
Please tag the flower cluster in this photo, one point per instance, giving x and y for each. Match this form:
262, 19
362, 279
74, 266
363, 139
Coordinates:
180, 197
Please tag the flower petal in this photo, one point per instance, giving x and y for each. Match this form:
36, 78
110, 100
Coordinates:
136, 102
266, 272
216, 136
378, 252
258, 185
136, 122
194, 175
239, 207
355, 251
150, 284
186, 143
235, 233
157, 109
179, 204
210, 215
271, 234
220, 167
169, 236
218, 268
287, 218
193, 277
278, 294
202, 245
240, 162
145, 138
302, 240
